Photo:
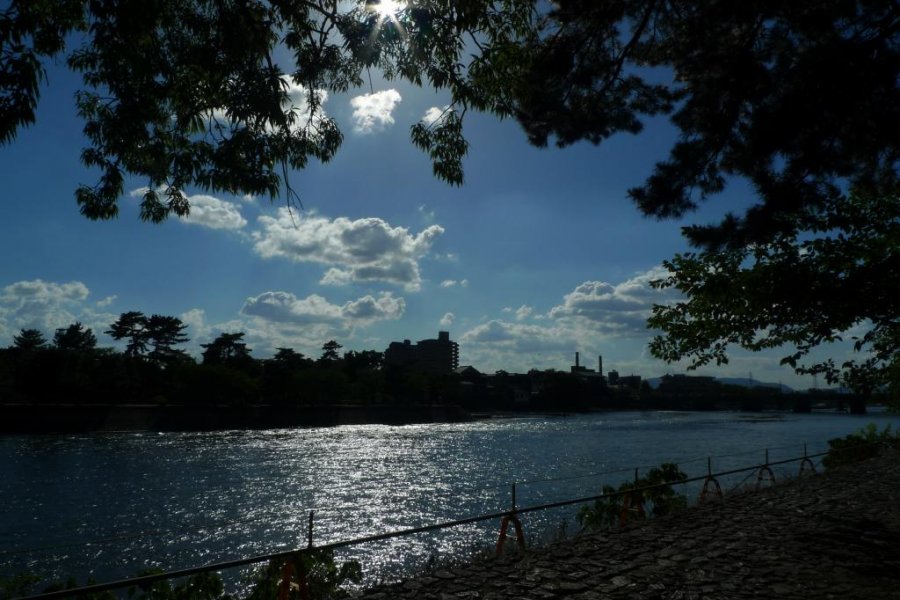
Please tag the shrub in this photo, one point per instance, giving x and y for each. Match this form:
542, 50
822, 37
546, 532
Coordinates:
859, 446
662, 500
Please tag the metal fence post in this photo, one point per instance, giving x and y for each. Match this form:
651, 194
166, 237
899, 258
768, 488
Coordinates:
706, 491
806, 463
765, 472
504, 525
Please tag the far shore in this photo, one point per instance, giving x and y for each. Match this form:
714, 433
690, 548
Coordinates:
84, 418
81, 418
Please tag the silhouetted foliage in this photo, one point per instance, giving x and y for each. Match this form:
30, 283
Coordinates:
227, 349
797, 291
163, 333
363, 361
131, 325
158, 333
202, 586
17, 586
290, 358
324, 576
857, 447
660, 500
29, 340
75, 337
326, 579
330, 351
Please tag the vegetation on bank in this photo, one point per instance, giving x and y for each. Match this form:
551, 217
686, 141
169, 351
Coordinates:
325, 579
154, 369
629, 505
860, 446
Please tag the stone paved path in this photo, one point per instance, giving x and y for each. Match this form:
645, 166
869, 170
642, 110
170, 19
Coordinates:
828, 536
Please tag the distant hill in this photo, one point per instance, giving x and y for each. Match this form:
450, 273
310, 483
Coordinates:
742, 381
747, 382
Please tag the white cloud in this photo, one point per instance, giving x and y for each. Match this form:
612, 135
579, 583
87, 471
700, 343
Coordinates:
589, 318
373, 112
106, 301
447, 319
435, 114
284, 307
523, 312
360, 250
448, 283
196, 320
615, 310
41, 304
207, 211
500, 344
427, 215
46, 305
278, 319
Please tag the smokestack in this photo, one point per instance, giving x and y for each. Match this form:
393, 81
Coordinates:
600, 365
576, 359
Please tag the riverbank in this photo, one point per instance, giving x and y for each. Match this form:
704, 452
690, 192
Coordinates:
828, 536
85, 418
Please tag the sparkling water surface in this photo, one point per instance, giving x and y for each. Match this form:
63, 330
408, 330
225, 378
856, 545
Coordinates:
110, 505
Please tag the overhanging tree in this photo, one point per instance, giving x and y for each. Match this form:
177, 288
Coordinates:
838, 280
800, 99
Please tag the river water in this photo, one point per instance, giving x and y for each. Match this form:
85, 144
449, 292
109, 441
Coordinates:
110, 505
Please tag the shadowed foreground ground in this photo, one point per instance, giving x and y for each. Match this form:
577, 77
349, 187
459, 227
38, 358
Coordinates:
828, 536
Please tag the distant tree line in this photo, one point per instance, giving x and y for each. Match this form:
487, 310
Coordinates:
153, 368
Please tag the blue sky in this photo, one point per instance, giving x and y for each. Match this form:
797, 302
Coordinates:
538, 255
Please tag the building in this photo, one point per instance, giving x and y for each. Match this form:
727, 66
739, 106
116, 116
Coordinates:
583, 372
428, 356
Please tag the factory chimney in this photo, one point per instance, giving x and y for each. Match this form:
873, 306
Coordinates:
600, 365
576, 360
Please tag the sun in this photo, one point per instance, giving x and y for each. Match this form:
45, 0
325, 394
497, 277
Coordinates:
386, 8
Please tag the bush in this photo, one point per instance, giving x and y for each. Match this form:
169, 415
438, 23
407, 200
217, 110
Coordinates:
324, 576
860, 446
662, 500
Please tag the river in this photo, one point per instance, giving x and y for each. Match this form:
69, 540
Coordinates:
109, 505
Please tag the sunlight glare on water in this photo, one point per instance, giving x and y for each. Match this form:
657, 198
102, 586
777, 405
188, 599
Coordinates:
111, 505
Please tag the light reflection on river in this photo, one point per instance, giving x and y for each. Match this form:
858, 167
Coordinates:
110, 505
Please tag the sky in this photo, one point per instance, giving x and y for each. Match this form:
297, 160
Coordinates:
539, 254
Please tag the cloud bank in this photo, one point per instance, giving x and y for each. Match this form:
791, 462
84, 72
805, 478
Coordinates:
46, 306
361, 250
284, 307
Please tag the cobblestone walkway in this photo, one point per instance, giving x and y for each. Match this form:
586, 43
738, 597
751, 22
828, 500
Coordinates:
827, 536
